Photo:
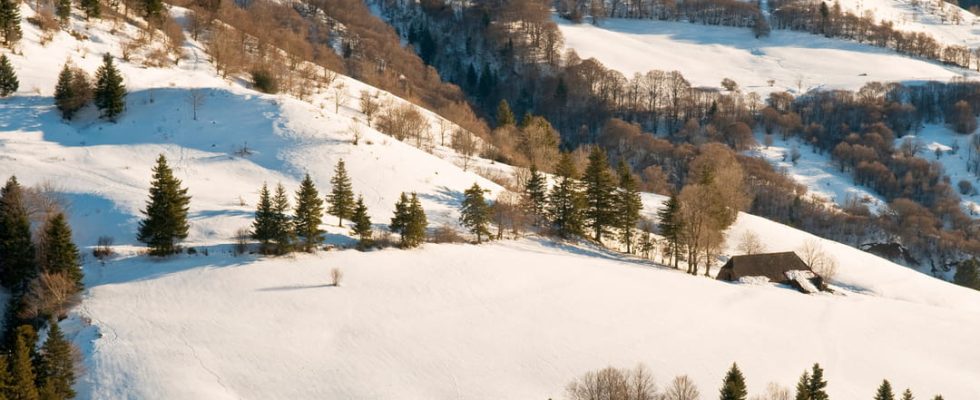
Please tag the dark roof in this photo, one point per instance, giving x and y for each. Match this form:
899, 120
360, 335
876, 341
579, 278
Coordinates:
771, 265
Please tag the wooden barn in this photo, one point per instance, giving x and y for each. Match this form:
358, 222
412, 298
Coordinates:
783, 268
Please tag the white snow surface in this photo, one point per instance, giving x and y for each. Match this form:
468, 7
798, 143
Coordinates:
705, 55
509, 320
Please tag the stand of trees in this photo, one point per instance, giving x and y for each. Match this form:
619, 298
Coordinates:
41, 268
638, 384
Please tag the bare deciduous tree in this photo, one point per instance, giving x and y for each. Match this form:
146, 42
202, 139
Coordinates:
340, 96
749, 243
369, 106
465, 145
196, 97
682, 388
49, 294
336, 275
613, 384
818, 259
774, 391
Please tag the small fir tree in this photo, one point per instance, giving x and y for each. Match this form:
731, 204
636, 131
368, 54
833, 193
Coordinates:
264, 226
110, 92
818, 386
21, 366
72, 91
8, 78
907, 394
399, 221
565, 201
628, 205
282, 233
536, 194
63, 11
670, 223
341, 197
885, 391
475, 212
362, 224
165, 224
599, 185
60, 254
152, 9
417, 223
803, 387
308, 215
10, 22
92, 8
504, 115
733, 387
17, 263
56, 372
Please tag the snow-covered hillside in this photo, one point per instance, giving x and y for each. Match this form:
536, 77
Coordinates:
512, 320
937, 137
944, 21
795, 61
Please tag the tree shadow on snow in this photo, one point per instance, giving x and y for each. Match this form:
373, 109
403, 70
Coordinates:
293, 287
144, 267
444, 196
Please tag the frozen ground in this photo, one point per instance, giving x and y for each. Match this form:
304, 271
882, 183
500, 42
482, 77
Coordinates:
512, 320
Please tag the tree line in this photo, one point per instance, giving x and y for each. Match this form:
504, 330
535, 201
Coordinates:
612, 383
40, 266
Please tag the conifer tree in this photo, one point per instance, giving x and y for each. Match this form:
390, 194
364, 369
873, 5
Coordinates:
362, 224
110, 92
818, 386
21, 367
733, 387
308, 215
56, 372
907, 394
165, 224
599, 186
341, 197
60, 254
282, 233
92, 9
399, 221
565, 201
536, 194
938, 397
17, 263
803, 387
152, 8
10, 22
885, 391
475, 212
72, 91
628, 205
504, 115
264, 226
8, 78
63, 11
670, 225
6, 380
417, 223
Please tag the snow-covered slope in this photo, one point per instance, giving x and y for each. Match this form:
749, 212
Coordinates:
944, 21
705, 55
955, 163
515, 319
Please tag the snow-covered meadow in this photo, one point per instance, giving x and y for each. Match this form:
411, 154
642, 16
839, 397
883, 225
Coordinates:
514, 320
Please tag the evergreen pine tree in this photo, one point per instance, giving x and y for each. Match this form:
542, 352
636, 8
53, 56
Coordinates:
60, 254
21, 366
885, 391
152, 8
907, 394
110, 93
565, 201
56, 372
803, 387
399, 222
362, 224
6, 380
10, 21
536, 194
166, 212
341, 197
670, 225
417, 224
264, 226
282, 233
628, 205
968, 274
504, 115
475, 212
818, 386
938, 397
17, 263
308, 215
8, 78
599, 186
733, 387
92, 8
65, 96
63, 11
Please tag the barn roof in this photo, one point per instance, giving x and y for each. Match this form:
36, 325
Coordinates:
772, 265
